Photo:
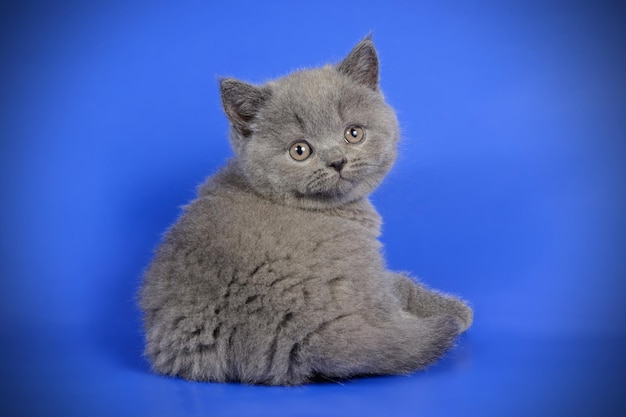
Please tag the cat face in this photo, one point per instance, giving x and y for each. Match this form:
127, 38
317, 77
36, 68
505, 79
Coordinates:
316, 138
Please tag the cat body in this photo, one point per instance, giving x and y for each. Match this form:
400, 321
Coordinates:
274, 273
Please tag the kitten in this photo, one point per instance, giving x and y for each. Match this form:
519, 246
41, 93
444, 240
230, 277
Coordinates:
274, 274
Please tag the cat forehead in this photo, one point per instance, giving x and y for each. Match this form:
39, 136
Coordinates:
318, 93
314, 85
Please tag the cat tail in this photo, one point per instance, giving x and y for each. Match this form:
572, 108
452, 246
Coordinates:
351, 346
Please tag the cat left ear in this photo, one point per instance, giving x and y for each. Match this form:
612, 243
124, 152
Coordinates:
361, 65
241, 102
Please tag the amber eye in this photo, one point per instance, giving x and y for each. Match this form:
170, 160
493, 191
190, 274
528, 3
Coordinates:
300, 151
354, 134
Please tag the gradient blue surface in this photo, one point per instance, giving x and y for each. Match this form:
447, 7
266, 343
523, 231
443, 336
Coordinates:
509, 190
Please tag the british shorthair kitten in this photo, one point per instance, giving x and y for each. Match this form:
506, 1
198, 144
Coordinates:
274, 273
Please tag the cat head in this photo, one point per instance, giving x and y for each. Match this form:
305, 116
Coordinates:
316, 138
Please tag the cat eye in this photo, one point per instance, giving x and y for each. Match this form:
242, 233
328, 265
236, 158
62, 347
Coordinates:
300, 151
354, 134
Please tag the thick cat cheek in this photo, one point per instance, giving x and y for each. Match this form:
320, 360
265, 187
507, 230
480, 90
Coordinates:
384, 151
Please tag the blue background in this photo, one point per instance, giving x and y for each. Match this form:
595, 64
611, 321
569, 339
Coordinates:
509, 190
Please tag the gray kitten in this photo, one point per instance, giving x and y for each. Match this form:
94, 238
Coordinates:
274, 274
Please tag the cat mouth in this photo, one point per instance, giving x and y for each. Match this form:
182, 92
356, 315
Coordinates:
329, 184
332, 187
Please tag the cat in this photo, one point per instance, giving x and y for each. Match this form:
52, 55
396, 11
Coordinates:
273, 275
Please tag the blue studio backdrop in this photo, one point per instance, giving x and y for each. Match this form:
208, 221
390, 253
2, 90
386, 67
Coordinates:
509, 190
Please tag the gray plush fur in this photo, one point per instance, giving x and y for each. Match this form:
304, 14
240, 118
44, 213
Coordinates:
274, 273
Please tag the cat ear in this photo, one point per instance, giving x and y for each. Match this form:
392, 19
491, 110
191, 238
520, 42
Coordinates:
362, 64
241, 102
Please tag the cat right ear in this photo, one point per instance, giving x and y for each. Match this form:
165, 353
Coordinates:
241, 102
361, 65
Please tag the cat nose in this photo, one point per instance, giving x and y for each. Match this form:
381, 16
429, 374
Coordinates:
338, 164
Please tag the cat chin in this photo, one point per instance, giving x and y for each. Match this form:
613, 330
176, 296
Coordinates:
334, 187
342, 194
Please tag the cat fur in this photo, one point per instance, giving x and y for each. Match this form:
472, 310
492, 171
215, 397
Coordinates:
274, 273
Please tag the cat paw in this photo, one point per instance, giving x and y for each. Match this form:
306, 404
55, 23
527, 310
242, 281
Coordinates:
462, 312
434, 303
